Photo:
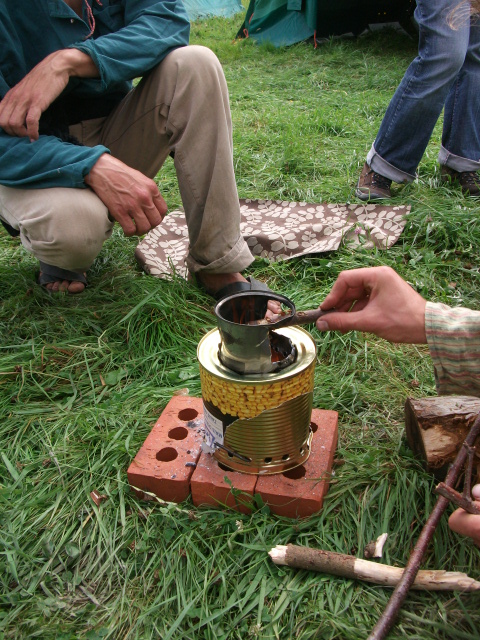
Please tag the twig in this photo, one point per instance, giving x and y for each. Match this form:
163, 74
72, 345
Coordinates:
467, 489
374, 549
458, 499
392, 609
340, 564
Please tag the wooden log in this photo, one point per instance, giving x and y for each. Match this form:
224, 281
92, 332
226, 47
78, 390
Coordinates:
339, 564
436, 428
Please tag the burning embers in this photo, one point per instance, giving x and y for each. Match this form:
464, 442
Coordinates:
283, 351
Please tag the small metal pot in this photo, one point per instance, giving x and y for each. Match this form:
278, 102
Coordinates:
248, 347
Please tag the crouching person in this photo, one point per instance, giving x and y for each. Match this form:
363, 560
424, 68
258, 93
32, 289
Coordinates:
80, 146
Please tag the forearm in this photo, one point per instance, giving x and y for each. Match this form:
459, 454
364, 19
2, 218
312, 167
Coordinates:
151, 30
74, 62
453, 336
23, 105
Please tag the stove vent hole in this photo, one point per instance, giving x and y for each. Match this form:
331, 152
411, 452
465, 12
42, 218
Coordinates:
178, 433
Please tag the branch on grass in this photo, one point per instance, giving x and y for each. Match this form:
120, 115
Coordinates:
339, 564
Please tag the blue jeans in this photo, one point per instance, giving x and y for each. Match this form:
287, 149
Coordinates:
446, 73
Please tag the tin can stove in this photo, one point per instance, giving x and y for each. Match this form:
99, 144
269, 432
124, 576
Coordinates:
253, 430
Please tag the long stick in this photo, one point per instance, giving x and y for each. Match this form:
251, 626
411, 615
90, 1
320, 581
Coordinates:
392, 609
340, 564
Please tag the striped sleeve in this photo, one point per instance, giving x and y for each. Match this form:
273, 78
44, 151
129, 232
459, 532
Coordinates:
453, 336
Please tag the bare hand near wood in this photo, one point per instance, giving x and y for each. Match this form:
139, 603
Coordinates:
22, 106
466, 523
378, 301
131, 198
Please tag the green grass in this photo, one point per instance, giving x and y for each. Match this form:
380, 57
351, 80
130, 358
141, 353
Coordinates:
83, 379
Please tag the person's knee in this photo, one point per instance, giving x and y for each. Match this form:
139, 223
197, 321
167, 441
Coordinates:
441, 70
442, 50
73, 250
71, 236
202, 57
197, 63
454, 61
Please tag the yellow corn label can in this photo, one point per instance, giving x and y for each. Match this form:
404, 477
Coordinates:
258, 423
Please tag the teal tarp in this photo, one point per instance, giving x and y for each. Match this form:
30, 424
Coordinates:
207, 8
284, 22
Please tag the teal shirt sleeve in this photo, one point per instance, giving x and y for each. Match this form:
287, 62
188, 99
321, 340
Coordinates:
3, 86
151, 31
134, 36
47, 162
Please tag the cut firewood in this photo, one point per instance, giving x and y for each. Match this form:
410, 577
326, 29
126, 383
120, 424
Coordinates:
436, 428
346, 566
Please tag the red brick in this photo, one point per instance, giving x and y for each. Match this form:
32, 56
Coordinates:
167, 458
178, 433
209, 487
301, 494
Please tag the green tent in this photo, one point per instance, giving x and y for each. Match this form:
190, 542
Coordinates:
284, 22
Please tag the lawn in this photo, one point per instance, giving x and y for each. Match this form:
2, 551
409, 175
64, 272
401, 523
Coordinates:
83, 379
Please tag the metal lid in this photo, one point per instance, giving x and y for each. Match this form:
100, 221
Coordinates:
209, 345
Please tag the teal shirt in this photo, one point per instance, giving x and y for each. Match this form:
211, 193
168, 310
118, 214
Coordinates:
131, 37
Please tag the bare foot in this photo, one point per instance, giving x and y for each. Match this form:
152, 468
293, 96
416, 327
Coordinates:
273, 309
65, 286
216, 281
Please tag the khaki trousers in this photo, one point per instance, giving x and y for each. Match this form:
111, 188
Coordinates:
181, 106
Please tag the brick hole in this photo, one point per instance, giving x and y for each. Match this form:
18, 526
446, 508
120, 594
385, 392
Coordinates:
295, 474
187, 414
313, 427
267, 460
178, 433
224, 467
167, 455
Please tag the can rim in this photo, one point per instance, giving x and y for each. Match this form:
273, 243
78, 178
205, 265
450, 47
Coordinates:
207, 356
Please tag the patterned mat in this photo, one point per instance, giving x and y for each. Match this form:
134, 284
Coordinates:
279, 230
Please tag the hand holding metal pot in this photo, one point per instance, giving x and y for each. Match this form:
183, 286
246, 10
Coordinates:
250, 343
376, 300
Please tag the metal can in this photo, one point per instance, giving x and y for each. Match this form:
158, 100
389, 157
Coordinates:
258, 423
